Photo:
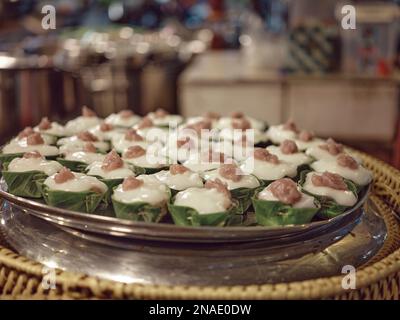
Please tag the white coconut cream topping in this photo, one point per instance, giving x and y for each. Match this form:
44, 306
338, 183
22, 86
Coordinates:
80, 124
277, 134
180, 181
246, 181
342, 197
265, 170
55, 129
79, 183
21, 146
151, 191
85, 157
201, 199
95, 169
118, 120
298, 158
360, 176
306, 201
34, 164
74, 143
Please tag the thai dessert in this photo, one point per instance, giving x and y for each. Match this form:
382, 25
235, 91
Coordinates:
123, 119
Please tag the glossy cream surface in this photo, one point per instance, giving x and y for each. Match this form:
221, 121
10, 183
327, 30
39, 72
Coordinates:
179, 181
116, 120
80, 183
80, 124
21, 146
360, 176
277, 134
298, 158
151, 191
85, 157
34, 164
246, 181
95, 169
265, 170
342, 197
306, 201
203, 200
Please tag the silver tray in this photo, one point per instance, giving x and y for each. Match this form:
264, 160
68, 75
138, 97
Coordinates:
101, 224
125, 260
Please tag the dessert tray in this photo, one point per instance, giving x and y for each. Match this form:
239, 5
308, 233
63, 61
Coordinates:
256, 247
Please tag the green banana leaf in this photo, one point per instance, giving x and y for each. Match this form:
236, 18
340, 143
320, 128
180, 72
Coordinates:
24, 184
329, 207
111, 184
76, 166
243, 196
186, 216
8, 157
86, 201
276, 213
138, 211
142, 170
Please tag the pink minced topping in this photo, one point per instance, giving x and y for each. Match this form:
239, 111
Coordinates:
132, 135
44, 124
332, 147
200, 125
221, 187
160, 113
263, 155
290, 126
131, 183
64, 175
145, 123
26, 132
134, 152
86, 112
126, 113
32, 155
330, 180
347, 161
112, 161
241, 124
285, 190
104, 127
87, 136
237, 115
184, 142
288, 147
231, 172
34, 139
177, 169
306, 136
89, 147
212, 115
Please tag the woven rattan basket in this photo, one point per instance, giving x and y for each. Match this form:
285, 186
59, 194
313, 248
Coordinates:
379, 279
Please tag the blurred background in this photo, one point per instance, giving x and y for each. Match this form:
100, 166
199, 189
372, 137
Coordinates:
272, 59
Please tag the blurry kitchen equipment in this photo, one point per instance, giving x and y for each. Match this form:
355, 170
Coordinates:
260, 47
371, 47
122, 67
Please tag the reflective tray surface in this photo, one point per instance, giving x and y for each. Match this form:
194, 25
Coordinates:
299, 257
103, 223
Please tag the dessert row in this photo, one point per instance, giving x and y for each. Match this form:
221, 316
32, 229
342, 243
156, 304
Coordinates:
206, 170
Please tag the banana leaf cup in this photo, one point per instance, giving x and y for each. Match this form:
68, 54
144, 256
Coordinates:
329, 207
23, 184
76, 166
186, 216
85, 201
138, 211
276, 213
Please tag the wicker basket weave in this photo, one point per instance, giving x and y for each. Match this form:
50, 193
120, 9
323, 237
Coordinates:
378, 279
